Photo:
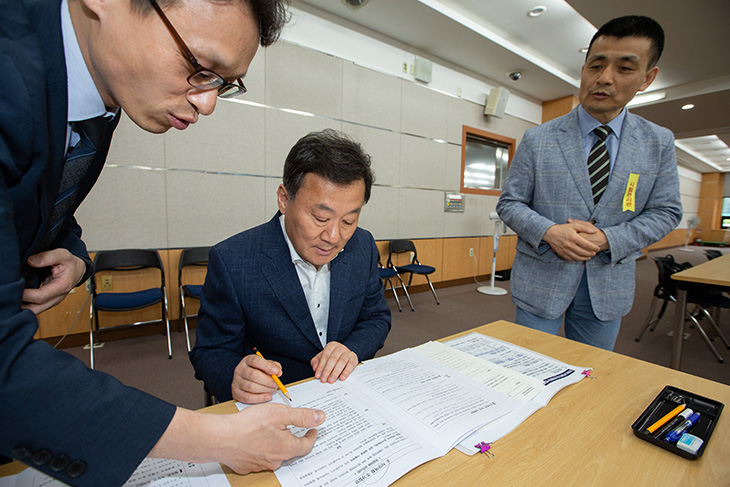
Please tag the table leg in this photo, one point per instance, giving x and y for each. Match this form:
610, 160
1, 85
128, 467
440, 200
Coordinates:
676, 360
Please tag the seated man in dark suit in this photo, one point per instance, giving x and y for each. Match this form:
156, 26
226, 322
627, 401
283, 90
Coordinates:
303, 288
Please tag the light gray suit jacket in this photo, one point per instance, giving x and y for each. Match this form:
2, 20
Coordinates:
548, 183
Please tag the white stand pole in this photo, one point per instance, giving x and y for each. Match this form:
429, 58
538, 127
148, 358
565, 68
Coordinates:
491, 289
686, 242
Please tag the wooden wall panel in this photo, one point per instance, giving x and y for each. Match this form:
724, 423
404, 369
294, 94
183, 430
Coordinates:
56, 321
485, 255
457, 263
710, 202
558, 107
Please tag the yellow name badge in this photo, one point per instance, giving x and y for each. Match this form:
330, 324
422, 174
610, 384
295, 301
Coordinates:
630, 194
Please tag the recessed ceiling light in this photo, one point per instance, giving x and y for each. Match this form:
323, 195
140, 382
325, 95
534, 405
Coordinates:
583, 50
688, 106
536, 11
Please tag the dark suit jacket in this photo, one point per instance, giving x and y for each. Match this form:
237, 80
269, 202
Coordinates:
252, 297
50, 400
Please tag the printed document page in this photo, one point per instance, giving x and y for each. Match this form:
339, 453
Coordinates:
152, 472
391, 415
545, 374
552, 374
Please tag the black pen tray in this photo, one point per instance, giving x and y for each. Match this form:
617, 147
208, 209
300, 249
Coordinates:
664, 403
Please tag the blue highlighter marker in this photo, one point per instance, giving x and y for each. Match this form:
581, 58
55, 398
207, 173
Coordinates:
677, 433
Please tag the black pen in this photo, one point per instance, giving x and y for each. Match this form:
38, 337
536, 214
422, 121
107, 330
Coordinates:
673, 423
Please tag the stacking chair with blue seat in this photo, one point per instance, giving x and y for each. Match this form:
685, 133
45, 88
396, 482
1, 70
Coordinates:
126, 261
197, 256
387, 274
415, 267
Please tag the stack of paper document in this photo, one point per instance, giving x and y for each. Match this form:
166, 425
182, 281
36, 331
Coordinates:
399, 411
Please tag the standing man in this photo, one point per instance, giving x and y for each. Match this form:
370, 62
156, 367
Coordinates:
587, 191
68, 67
303, 288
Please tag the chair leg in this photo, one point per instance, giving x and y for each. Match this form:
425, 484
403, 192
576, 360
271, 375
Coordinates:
91, 333
659, 316
716, 328
648, 321
433, 291
395, 295
167, 322
185, 318
405, 291
705, 337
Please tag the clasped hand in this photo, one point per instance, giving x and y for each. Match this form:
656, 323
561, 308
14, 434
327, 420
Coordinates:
576, 240
252, 382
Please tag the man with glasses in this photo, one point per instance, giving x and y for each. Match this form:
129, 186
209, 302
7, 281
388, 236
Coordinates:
68, 66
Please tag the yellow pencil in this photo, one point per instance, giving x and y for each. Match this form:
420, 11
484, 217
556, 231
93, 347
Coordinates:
276, 379
666, 418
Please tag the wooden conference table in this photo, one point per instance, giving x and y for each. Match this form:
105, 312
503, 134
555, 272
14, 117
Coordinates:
583, 437
715, 272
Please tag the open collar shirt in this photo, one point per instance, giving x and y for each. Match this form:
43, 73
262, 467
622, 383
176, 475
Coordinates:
316, 286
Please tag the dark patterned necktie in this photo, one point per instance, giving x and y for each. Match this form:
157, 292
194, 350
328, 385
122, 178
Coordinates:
599, 163
78, 160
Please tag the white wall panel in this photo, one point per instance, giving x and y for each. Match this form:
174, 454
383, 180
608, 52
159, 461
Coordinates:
384, 149
423, 163
420, 213
301, 79
380, 215
133, 146
204, 209
423, 111
125, 209
371, 98
231, 140
283, 129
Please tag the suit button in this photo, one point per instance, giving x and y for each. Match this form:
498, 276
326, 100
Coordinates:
76, 468
22, 453
59, 462
41, 457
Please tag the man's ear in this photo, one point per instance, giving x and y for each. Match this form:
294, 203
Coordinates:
650, 77
282, 198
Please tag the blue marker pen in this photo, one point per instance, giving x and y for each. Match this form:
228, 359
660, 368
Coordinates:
675, 434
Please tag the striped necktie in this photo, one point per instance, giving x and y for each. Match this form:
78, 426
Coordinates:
599, 163
78, 160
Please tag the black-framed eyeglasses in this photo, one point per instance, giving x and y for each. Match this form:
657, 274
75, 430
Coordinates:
202, 78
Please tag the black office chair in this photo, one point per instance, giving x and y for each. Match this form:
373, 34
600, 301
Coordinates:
712, 254
387, 274
197, 256
702, 296
415, 267
125, 261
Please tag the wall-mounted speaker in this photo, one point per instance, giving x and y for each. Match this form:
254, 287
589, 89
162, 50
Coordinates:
496, 102
423, 69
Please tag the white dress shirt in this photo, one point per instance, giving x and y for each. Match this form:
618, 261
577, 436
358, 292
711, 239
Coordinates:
84, 100
316, 286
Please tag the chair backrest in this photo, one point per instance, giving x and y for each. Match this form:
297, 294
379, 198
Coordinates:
192, 256
666, 267
712, 254
127, 260
400, 246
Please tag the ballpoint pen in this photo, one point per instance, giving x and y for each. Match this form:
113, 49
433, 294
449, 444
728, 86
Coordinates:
276, 379
675, 434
